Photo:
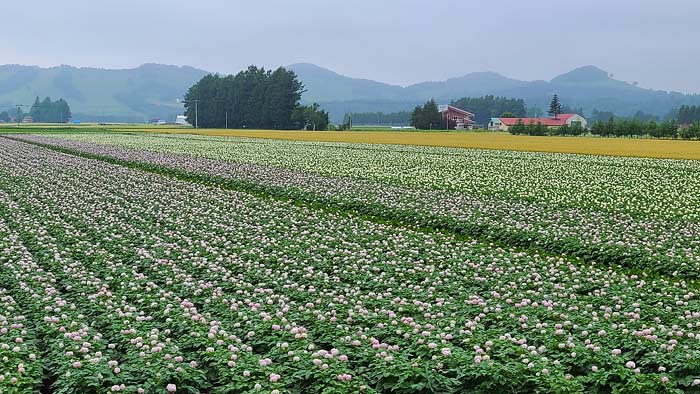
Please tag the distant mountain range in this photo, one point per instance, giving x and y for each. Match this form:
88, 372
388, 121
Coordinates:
153, 91
586, 87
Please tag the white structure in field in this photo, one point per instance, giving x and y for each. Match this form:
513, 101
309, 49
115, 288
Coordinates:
182, 120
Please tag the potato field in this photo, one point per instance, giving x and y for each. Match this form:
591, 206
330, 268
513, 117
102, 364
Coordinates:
156, 263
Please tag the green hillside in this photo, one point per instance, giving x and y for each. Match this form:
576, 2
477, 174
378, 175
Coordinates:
153, 91
128, 95
586, 87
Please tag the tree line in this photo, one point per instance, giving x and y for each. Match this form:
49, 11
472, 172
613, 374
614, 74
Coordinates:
540, 129
45, 111
614, 128
636, 128
255, 98
688, 114
400, 118
487, 107
427, 117
48, 111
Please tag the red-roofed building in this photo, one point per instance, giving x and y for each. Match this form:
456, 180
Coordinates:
455, 118
504, 124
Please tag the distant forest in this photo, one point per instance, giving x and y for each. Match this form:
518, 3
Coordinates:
48, 111
487, 107
402, 118
484, 108
688, 114
45, 111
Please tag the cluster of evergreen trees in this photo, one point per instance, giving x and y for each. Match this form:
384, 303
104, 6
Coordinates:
48, 111
487, 107
255, 99
401, 118
688, 114
427, 117
45, 111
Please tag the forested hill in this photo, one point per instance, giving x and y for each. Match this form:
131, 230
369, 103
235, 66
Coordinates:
153, 91
128, 95
586, 87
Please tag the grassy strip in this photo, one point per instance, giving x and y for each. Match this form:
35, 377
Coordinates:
635, 261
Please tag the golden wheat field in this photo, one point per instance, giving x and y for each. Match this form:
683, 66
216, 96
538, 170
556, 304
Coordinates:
671, 149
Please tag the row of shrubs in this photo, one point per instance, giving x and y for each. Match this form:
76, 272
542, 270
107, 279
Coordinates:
540, 129
616, 128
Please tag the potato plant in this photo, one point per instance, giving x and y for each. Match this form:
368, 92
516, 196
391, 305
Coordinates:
126, 278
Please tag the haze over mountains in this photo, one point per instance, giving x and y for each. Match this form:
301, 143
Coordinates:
153, 91
588, 87
128, 95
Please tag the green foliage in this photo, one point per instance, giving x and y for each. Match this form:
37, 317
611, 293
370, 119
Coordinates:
487, 107
310, 117
380, 118
571, 110
129, 95
48, 111
614, 127
555, 108
254, 98
518, 128
525, 353
509, 115
691, 132
600, 116
427, 116
535, 112
529, 129
645, 117
687, 114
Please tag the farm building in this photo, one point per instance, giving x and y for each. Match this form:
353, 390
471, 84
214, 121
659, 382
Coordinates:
504, 124
181, 120
456, 118
495, 124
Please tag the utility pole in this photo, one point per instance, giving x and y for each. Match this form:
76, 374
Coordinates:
196, 114
18, 109
227, 119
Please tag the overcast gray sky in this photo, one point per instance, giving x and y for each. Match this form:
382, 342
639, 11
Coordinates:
400, 42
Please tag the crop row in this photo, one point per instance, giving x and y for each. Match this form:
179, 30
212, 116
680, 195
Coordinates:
243, 294
651, 188
668, 247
